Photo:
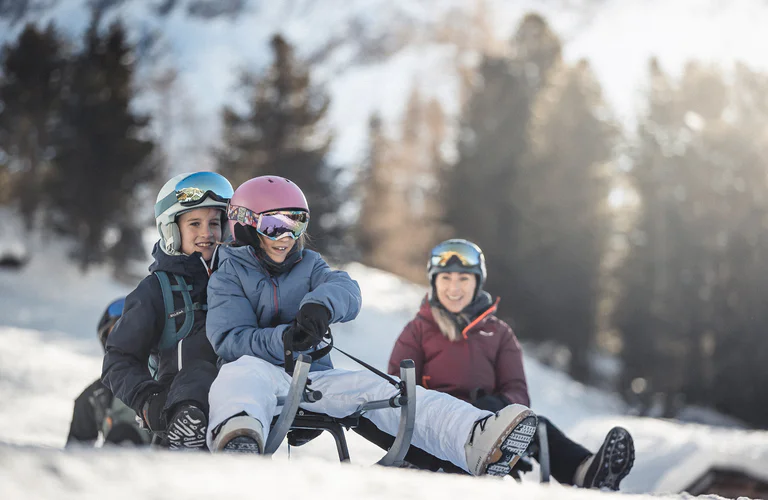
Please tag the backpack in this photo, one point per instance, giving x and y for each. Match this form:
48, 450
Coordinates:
171, 335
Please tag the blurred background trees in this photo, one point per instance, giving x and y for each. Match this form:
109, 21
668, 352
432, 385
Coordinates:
73, 147
647, 247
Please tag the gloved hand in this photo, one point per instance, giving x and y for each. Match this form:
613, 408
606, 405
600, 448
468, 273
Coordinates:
152, 410
491, 402
314, 318
302, 341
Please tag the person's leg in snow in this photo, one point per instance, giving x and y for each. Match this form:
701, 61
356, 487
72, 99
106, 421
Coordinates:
478, 441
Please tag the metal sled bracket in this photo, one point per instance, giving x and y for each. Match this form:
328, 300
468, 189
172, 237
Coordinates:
291, 404
543, 452
406, 400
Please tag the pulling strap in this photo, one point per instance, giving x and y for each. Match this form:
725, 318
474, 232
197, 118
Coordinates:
319, 353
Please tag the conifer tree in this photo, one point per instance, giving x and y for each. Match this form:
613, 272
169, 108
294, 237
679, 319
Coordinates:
566, 223
30, 92
692, 313
103, 157
493, 150
283, 133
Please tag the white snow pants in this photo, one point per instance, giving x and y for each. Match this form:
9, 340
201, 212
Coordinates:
252, 385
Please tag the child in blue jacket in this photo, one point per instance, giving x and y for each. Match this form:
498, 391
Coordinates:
270, 289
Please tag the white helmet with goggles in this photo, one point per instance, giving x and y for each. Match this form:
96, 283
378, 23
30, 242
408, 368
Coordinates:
187, 192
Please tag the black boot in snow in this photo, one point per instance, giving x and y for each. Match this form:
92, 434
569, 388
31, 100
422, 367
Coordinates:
186, 429
612, 462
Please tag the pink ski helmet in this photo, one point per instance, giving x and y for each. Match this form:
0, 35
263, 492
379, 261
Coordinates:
266, 193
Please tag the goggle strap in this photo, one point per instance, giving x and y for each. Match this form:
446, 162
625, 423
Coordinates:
166, 203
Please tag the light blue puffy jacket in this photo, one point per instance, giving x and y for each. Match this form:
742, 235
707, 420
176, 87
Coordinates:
248, 310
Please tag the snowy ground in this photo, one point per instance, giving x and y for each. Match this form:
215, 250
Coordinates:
49, 353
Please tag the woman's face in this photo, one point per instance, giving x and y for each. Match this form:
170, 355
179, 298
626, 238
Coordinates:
200, 231
276, 250
455, 290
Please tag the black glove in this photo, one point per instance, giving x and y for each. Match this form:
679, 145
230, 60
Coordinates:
314, 318
491, 402
301, 339
152, 410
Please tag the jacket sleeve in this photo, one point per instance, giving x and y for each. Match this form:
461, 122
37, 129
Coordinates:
510, 374
231, 324
124, 370
335, 290
408, 346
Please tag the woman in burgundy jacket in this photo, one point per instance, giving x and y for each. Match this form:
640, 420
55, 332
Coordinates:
460, 347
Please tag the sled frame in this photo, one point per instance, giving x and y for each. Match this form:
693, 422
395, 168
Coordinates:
291, 417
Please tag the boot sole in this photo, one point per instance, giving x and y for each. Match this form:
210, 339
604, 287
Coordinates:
616, 460
187, 430
242, 444
513, 446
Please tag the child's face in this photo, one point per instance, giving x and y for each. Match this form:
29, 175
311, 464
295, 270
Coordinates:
277, 250
200, 230
455, 290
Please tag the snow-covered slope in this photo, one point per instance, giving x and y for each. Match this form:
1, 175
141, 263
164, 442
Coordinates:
371, 52
49, 353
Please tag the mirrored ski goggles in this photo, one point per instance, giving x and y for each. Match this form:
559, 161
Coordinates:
443, 254
274, 225
196, 188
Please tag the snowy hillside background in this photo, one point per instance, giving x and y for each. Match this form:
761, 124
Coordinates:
48, 310
49, 353
370, 53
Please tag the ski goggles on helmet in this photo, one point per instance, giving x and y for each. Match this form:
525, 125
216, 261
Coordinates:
275, 225
196, 188
449, 252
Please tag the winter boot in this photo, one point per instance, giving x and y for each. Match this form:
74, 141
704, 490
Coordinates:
186, 429
612, 462
497, 441
240, 434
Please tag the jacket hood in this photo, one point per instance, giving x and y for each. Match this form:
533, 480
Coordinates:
185, 265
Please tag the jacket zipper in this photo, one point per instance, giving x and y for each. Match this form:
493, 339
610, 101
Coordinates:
277, 302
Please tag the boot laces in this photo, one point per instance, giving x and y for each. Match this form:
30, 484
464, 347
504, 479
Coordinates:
480, 423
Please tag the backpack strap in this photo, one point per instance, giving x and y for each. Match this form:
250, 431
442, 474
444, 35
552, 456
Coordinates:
171, 335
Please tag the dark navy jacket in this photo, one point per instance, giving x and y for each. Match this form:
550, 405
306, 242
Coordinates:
188, 367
